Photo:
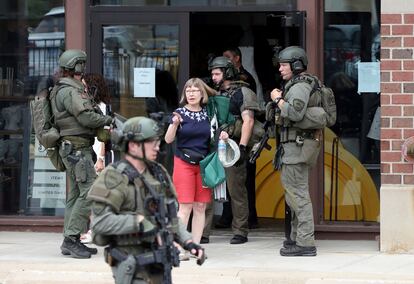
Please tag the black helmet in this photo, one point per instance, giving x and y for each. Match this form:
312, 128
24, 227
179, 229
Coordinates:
225, 64
73, 60
296, 56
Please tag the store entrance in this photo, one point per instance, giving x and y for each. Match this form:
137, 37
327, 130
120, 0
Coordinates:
259, 36
177, 46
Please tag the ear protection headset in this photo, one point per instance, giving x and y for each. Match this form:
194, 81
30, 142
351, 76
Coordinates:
229, 72
129, 135
80, 67
297, 65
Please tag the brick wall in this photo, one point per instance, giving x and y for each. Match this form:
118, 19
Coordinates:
397, 88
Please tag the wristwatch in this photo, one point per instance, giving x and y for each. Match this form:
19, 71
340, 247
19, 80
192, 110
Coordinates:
277, 100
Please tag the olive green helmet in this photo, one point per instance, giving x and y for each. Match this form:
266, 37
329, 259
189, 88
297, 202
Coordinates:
296, 56
73, 60
137, 129
225, 64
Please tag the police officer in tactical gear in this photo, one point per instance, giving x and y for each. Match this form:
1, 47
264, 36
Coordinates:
235, 55
300, 149
135, 210
77, 121
242, 104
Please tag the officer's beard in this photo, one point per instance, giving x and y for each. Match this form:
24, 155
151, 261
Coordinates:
217, 86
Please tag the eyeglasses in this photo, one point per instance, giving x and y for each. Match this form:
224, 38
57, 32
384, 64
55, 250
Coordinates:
192, 91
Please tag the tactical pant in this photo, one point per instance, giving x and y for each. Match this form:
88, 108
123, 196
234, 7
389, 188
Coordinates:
81, 176
236, 185
296, 184
209, 217
142, 275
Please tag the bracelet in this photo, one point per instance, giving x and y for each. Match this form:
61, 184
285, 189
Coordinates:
101, 158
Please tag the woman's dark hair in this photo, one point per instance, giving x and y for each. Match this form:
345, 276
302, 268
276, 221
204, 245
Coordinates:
97, 87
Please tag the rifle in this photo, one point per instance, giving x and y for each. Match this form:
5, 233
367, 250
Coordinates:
258, 147
165, 252
108, 144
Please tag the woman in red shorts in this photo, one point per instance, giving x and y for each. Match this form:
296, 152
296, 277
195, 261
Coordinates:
190, 127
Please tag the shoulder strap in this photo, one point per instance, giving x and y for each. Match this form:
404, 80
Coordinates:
311, 80
125, 168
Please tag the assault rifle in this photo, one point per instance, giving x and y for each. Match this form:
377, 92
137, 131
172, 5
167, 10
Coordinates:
165, 252
258, 147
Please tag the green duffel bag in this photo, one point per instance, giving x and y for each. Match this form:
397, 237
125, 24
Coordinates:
212, 171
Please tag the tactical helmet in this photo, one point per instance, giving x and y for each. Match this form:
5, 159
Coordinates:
296, 56
135, 129
140, 128
73, 60
225, 64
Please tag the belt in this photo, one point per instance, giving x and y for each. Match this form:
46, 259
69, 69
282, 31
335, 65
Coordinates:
115, 255
294, 135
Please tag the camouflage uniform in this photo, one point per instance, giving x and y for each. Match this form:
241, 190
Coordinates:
241, 99
296, 161
77, 122
121, 195
117, 201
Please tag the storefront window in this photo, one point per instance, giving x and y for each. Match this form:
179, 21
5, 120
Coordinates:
32, 36
352, 153
193, 2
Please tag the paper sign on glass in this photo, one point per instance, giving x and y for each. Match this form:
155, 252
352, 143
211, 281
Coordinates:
368, 77
144, 82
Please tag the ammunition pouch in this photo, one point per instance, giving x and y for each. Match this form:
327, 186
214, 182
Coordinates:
132, 239
103, 135
235, 129
300, 146
296, 135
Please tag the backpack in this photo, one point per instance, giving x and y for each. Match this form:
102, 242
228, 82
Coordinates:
44, 126
321, 108
43, 119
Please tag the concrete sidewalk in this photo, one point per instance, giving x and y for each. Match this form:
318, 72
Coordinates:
27, 257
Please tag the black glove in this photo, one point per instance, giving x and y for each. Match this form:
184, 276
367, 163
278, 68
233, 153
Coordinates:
243, 156
190, 246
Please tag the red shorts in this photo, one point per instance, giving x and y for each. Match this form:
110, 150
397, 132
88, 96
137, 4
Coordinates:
187, 182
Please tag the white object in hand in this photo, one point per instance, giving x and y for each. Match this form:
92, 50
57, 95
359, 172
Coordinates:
221, 150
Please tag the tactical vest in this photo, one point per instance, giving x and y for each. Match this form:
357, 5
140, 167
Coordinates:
321, 107
66, 122
248, 102
119, 187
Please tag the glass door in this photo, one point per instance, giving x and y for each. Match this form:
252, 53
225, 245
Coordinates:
142, 57
352, 145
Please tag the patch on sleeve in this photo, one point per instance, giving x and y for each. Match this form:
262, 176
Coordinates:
97, 208
298, 105
113, 179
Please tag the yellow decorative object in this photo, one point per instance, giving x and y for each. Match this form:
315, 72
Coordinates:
357, 198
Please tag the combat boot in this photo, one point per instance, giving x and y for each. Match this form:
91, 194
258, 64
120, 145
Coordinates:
90, 250
288, 243
296, 250
72, 247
